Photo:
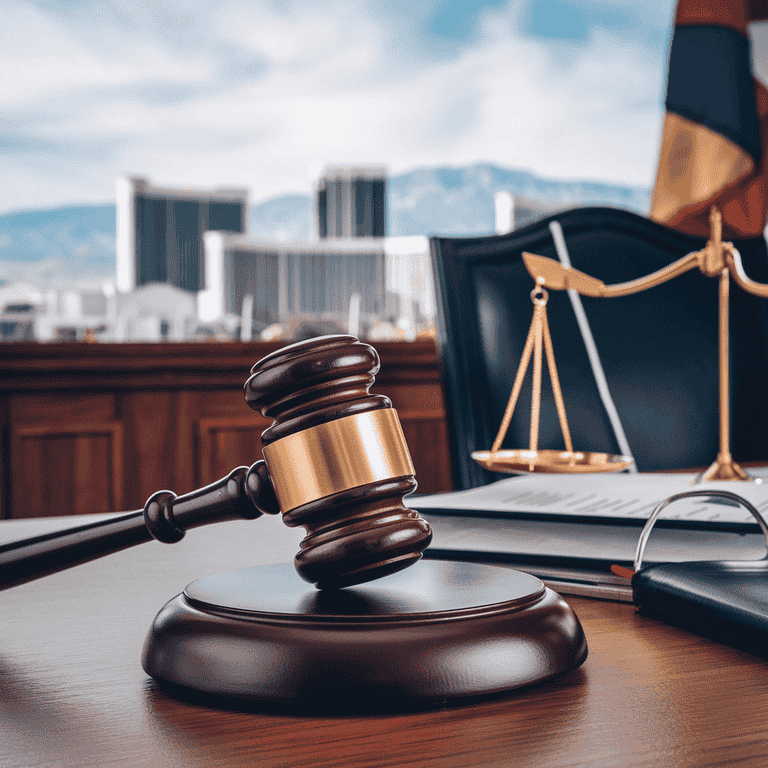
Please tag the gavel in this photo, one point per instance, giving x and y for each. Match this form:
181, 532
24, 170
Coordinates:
335, 462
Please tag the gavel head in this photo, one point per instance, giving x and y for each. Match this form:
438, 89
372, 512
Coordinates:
337, 460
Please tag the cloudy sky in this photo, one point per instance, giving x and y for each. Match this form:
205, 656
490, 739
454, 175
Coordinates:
259, 93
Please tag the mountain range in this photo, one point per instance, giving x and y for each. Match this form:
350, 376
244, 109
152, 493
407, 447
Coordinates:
75, 245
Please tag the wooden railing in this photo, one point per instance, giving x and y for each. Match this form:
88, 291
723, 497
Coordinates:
100, 427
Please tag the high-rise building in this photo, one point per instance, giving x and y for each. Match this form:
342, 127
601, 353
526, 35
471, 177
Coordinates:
291, 278
160, 231
351, 202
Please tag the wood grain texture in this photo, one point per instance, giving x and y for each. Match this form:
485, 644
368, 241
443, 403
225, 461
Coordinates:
33, 367
72, 692
161, 394
226, 443
77, 468
426, 432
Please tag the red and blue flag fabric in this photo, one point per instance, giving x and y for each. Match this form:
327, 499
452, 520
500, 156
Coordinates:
716, 126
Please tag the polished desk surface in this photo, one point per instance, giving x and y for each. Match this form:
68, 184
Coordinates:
73, 693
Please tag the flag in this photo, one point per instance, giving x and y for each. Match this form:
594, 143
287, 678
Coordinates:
715, 136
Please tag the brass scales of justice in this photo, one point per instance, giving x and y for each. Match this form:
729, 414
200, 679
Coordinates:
717, 259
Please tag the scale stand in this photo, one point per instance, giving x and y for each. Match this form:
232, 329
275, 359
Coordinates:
724, 467
716, 259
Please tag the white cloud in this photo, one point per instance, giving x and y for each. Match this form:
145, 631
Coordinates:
297, 37
45, 61
329, 83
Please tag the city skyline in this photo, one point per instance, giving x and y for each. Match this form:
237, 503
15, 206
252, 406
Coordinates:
263, 94
78, 243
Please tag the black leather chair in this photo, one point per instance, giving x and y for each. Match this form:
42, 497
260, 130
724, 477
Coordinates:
659, 348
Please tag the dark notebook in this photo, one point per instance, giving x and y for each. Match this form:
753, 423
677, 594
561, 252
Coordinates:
724, 600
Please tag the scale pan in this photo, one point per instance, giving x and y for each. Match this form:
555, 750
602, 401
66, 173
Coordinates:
523, 460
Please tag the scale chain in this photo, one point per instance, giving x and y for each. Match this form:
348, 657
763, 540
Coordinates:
517, 386
556, 386
539, 340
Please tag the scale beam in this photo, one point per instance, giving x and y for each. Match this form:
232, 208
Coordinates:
735, 267
552, 274
711, 260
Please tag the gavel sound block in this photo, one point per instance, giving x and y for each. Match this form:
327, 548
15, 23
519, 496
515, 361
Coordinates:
336, 463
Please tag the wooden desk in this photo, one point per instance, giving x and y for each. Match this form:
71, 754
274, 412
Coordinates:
72, 691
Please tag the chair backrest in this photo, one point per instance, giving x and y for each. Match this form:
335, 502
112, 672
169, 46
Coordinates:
658, 348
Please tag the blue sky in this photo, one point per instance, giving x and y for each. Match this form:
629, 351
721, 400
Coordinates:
262, 93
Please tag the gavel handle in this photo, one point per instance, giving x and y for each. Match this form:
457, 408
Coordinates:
243, 493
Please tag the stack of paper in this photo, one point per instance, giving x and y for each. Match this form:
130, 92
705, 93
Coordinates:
569, 529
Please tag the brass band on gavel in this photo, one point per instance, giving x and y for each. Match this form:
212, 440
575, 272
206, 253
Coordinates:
330, 458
